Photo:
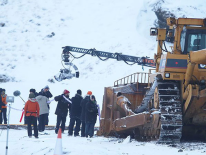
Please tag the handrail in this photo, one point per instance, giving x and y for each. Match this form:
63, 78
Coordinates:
139, 77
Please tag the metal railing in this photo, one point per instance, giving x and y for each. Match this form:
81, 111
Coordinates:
139, 77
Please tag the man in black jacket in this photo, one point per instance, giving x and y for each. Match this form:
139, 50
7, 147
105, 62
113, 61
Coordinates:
91, 112
75, 114
83, 105
45, 92
64, 103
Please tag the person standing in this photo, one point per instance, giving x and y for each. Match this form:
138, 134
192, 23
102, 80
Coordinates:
44, 111
75, 114
3, 107
83, 105
64, 103
32, 112
35, 93
45, 92
1, 104
91, 116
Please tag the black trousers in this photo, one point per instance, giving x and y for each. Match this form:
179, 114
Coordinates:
83, 129
60, 120
77, 126
3, 116
47, 120
32, 120
42, 121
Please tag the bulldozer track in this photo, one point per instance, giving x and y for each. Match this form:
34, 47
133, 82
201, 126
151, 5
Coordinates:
168, 96
171, 112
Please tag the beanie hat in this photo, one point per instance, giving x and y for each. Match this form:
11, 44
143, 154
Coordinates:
92, 97
32, 90
79, 92
3, 91
66, 91
31, 95
46, 87
89, 93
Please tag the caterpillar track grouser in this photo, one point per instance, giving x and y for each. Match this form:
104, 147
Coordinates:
168, 103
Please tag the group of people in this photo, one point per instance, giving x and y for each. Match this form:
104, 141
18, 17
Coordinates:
82, 111
37, 108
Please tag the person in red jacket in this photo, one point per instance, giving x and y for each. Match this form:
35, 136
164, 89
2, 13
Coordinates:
4, 107
32, 112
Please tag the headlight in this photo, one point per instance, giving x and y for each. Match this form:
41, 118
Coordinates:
167, 75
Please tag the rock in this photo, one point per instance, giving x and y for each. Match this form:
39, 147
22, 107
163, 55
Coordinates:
180, 150
5, 78
51, 80
51, 35
2, 24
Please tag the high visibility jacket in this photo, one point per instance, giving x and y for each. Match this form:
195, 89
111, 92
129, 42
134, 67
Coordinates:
4, 101
31, 108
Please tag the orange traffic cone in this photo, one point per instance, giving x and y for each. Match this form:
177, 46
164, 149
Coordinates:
58, 147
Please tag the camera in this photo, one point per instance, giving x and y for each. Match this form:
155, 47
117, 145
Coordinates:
67, 72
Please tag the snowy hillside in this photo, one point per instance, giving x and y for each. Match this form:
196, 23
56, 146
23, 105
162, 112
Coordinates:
31, 57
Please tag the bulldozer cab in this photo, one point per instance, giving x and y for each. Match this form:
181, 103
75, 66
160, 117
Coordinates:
192, 39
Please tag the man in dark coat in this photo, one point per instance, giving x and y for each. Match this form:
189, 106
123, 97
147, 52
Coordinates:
91, 116
83, 105
75, 114
64, 103
45, 92
1, 104
3, 114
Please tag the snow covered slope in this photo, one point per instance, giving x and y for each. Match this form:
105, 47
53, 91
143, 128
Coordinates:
31, 57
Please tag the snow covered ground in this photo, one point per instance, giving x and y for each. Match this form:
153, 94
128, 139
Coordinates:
20, 144
28, 55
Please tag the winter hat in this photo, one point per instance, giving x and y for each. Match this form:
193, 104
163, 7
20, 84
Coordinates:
32, 90
3, 91
92, 97
66, 91
79, 92
89, 93
31, 95
46, 87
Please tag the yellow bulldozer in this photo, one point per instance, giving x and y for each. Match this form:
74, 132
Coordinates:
169, 102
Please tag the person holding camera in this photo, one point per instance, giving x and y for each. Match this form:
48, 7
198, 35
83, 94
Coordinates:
44, 111
45, 92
